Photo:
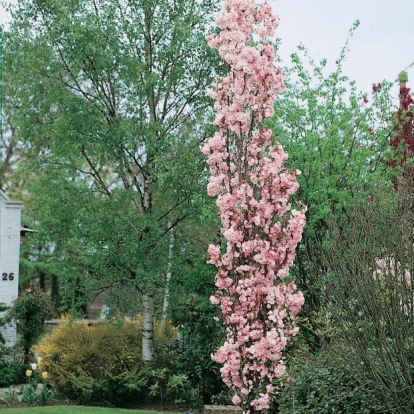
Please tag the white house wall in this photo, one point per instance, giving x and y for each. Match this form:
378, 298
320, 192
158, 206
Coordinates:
10, 224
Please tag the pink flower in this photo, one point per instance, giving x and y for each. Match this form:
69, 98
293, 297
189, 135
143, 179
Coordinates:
213, 251
252, 187
236, 400
213, 189
214, 300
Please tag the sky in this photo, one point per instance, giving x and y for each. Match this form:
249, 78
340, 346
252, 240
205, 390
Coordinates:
381, 47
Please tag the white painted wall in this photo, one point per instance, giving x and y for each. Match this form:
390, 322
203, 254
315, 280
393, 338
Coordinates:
10, 224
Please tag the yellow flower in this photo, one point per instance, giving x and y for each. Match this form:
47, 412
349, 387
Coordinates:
29, 373
45, 375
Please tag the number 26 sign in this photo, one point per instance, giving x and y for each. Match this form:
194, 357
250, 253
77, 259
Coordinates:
7, 276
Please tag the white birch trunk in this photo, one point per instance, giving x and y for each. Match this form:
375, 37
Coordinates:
147, 326
166, 301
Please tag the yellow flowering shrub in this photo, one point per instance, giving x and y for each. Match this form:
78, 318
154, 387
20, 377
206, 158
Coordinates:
83, 360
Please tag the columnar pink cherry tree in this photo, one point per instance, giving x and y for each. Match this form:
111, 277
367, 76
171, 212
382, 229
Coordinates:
253, 188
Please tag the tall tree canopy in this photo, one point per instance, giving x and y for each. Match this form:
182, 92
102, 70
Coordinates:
339, 138
111, 97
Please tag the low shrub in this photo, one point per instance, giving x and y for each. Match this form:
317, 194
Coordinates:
323, 383
101, 363
30, 311
4, 321
12, 373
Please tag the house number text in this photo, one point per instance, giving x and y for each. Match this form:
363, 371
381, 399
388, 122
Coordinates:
7, 276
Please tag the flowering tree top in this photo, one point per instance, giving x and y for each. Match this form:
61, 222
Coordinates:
259, 227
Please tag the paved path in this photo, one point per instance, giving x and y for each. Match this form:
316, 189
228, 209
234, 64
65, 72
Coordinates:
16, 388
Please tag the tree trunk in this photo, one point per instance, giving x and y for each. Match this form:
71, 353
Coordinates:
147, 326
42, 280
55, 291
166, 302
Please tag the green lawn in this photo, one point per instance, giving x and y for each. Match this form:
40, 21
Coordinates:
70, 409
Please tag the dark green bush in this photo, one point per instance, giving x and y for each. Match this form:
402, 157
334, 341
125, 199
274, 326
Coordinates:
200, 334
12, 373
323, 383
30, 311
4, 320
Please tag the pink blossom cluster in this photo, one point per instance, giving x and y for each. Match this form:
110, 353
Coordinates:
253, 189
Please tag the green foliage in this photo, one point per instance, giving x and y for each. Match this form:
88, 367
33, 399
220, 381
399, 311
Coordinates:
30, 311
112, 102
12, 373
403, 76
34, 266
102, 363
4, 320
370, 296
339, 140
31, 394
174, 388
332, 135
325, 384
200, 334
82, 359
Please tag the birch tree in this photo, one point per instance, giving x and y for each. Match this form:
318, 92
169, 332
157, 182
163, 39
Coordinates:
112, 97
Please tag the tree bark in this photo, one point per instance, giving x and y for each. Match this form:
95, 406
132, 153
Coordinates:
147, 326
166, 302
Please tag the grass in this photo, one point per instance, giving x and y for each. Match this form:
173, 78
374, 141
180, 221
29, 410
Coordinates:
70, 409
